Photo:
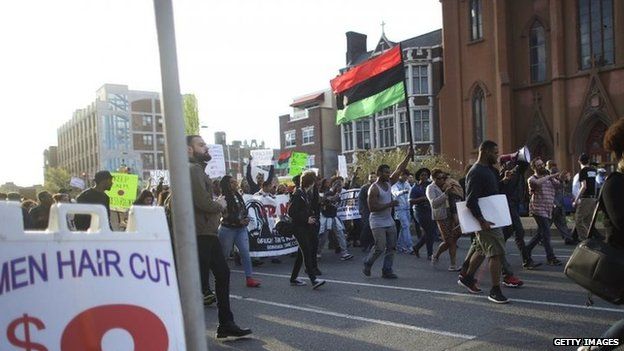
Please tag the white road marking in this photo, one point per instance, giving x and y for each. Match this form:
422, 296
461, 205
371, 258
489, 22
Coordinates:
450, 293
357, 318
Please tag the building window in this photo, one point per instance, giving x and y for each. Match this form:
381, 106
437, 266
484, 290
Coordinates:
148, 161
308, 135
299, 113
422, 126
161, 161
148, 140
290, 139
146, 121
118, 102
537, 49
596, 32
478, 117
363, 134
347, 136
311, 160
385, 128
403, 128
476, 20
420, 80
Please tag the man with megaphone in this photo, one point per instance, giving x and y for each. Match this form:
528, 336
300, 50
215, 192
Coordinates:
513, 167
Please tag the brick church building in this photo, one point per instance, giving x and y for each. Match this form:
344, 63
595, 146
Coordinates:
544, 73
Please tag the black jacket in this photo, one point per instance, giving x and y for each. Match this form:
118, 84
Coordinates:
300, 208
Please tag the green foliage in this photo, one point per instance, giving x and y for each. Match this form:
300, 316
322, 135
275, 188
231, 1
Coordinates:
368, 161
56, 179
191, 114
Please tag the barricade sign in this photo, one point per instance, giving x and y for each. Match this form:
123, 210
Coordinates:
95, 290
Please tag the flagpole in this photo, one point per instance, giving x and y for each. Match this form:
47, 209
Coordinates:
185, 243
408, 113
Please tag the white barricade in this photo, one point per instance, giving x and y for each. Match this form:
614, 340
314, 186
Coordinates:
95, 290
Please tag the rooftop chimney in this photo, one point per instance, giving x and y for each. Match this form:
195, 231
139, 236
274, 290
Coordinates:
356, 46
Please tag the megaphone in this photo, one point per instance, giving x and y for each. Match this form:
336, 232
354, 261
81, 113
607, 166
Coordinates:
521, 155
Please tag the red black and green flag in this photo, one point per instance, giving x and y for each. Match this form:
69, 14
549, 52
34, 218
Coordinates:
370, 87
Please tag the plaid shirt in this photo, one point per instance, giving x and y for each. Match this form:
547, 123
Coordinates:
542, 196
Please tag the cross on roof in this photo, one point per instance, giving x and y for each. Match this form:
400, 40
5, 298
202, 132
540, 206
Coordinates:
383, 24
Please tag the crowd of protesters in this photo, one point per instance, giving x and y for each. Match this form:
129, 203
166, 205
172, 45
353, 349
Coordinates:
395, 206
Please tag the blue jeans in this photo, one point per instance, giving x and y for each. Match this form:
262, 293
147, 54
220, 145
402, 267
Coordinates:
385, 241
423, 214
405, 243
239, 237
543, 234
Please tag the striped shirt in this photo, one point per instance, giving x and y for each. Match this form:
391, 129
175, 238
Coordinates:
542, 196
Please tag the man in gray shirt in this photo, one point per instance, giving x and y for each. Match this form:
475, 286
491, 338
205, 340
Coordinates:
380, 204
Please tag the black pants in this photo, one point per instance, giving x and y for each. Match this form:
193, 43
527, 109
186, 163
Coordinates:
517, 230
211, 259
366, 235
307, 253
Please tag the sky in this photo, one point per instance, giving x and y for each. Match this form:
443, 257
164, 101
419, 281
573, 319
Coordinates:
245, 60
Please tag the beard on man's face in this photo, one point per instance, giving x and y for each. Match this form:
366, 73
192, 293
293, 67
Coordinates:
202, 156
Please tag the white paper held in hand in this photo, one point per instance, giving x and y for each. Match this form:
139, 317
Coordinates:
494, 209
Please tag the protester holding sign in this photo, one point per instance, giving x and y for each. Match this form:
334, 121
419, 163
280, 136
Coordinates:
233, 228
254, 187
95, 195
329, 219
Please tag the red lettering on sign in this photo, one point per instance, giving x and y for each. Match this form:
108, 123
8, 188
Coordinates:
86, 330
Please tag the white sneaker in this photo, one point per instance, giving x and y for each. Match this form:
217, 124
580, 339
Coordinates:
347, 256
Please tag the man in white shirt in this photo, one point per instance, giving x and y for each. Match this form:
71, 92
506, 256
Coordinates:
400, 191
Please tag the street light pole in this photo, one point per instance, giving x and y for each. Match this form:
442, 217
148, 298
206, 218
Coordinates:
185, 242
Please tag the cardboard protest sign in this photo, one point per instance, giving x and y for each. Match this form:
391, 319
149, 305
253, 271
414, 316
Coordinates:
298, 162
262, 157
216, 166
124, 191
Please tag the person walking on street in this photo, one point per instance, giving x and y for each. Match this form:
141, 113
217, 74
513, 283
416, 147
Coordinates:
558, 214
542, 189
438, 196
305, 229
207, 215
380, 203
422, 209
482, 181
233, 228
400, 191
585, 201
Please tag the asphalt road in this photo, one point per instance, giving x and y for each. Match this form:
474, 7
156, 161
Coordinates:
424, 309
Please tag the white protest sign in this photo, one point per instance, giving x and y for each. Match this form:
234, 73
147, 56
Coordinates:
494, 209
342, 166
77, 182
157, 174
264, 212
262, 157
216, 166
62, 290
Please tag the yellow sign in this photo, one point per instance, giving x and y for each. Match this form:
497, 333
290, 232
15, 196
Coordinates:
124, 191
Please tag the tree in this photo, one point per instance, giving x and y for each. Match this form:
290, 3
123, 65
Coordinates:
56, 179
191, 114
369, 160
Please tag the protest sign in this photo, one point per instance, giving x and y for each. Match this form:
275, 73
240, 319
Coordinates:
262, 157
100, 290
494, 209
216, 166
342, 166
77, 182
298, 162
124, 191
348, 208
157, 174
264, 211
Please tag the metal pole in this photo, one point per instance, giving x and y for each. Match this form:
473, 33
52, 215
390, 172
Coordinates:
185, 243
408, 113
